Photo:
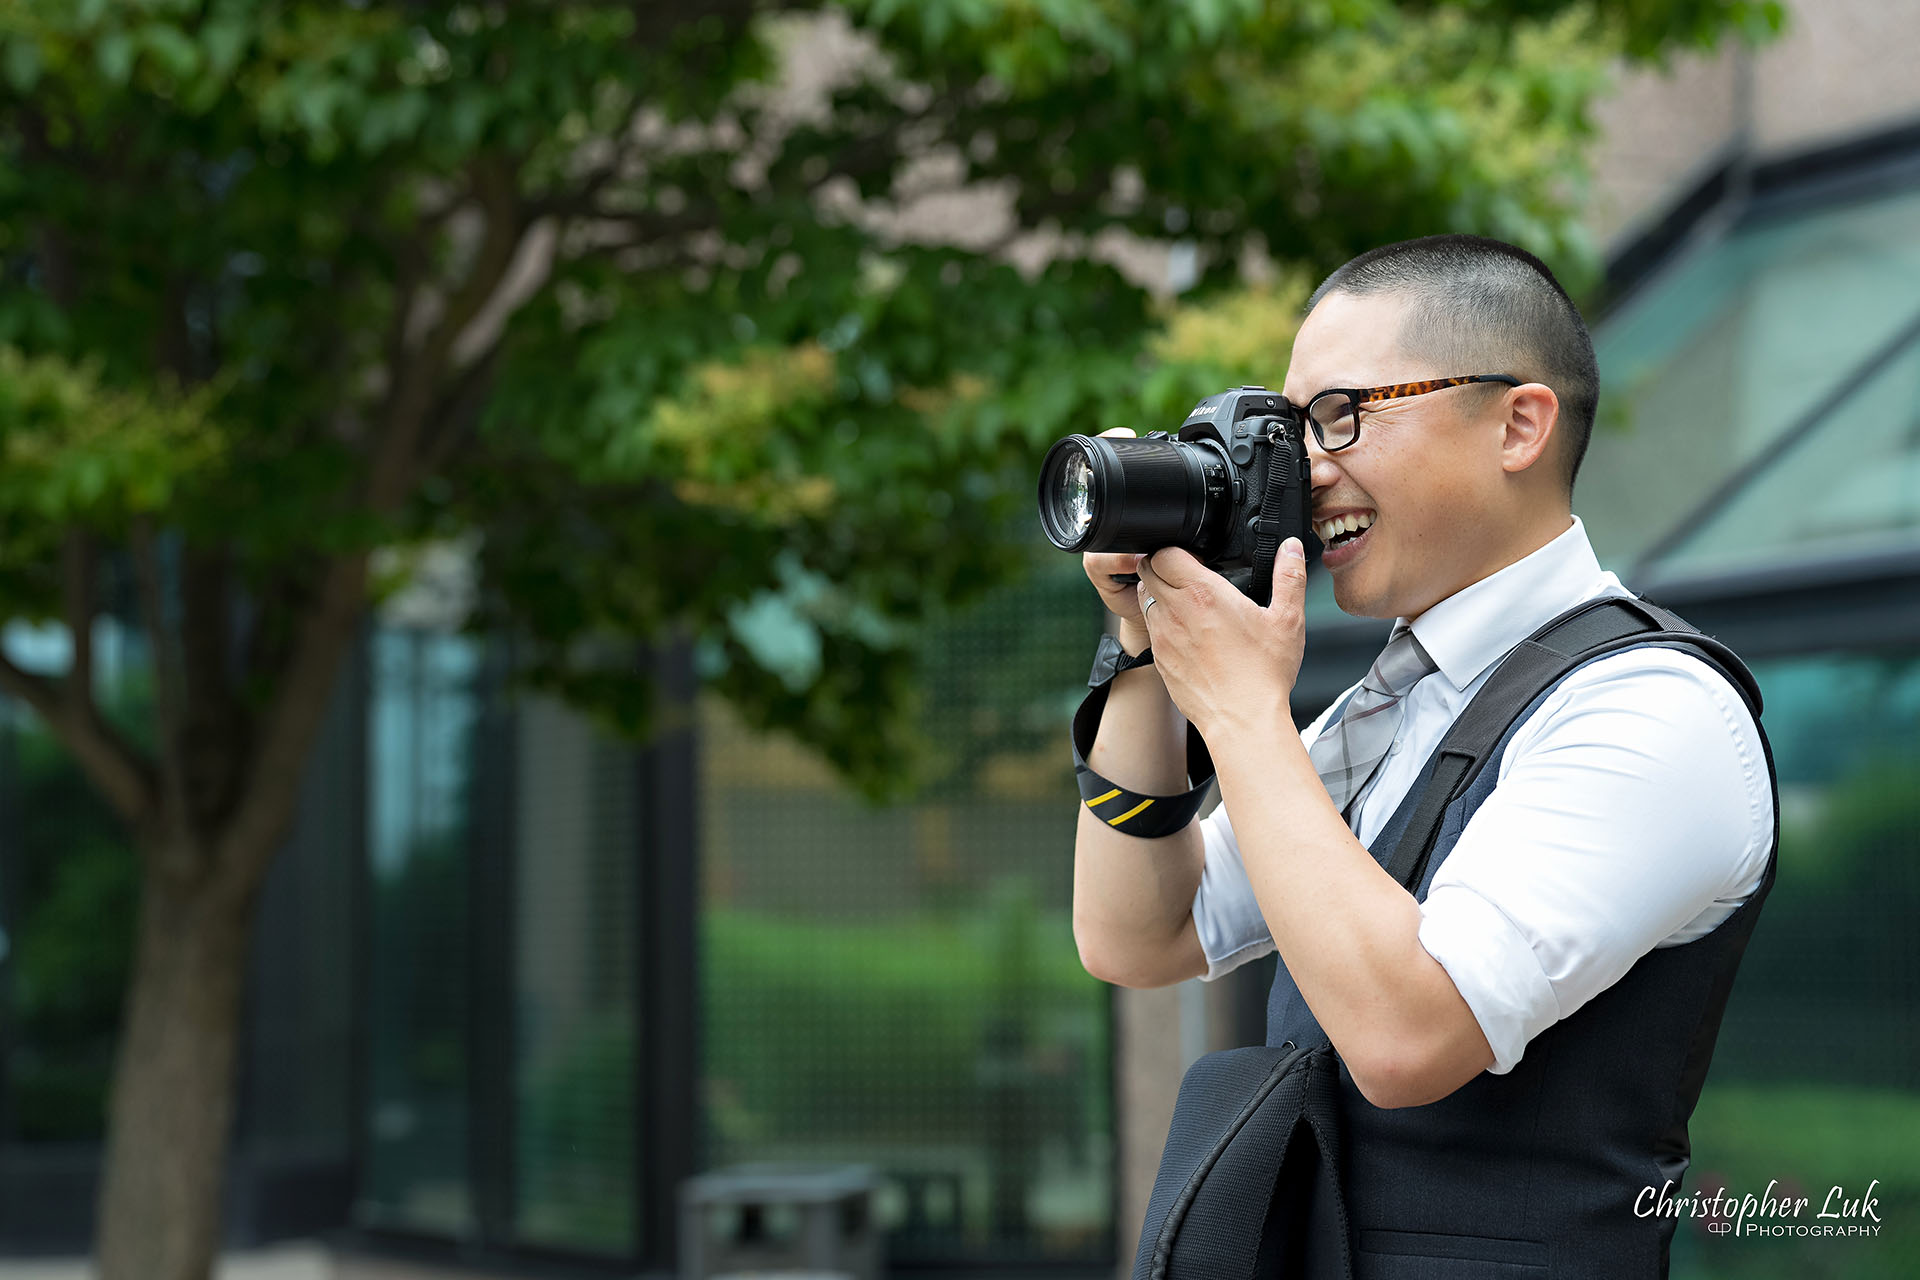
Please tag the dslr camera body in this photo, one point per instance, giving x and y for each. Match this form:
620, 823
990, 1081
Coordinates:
1230, 486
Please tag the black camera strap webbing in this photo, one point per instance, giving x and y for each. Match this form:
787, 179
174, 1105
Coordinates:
1266, 542
1131, 812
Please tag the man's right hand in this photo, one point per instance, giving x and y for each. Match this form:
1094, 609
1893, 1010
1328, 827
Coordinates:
1121, 598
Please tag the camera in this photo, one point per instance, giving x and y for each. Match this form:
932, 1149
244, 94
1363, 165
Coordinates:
1230, 486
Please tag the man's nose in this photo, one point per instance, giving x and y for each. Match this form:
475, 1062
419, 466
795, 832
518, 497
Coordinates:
1322, 469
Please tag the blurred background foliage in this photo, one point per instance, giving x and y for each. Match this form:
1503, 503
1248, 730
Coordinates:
69, 961
706, 380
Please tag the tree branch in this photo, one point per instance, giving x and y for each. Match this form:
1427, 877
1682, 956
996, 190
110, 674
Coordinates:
278, 605
252, 835
326, 630
214, 731
458, 412
36, 691
409, 272
527, 270
168, 712
582, 199
110, 763
416, 378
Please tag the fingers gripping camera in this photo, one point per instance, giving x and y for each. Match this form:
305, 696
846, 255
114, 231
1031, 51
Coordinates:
1229, 487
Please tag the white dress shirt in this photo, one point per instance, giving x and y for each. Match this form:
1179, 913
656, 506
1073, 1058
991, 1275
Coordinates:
1633, 811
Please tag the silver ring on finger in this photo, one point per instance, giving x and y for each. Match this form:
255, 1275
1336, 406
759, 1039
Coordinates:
1147, 607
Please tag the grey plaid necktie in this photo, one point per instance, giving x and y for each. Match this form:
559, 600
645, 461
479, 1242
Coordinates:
1349, 751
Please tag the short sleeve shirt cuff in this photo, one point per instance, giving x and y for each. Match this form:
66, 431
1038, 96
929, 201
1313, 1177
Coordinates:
1225, 914
1493, 966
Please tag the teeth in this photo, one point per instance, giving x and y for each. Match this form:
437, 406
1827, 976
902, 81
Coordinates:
1329, 529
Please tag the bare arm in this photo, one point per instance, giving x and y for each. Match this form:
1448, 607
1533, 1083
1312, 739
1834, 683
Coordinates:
1133, 897
1347, 931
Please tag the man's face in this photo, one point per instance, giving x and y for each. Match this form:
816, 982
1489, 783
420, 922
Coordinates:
1426, 468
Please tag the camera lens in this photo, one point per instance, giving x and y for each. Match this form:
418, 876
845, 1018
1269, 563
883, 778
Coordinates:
1111, 493
1075, 495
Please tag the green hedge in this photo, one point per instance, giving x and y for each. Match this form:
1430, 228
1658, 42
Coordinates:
1809, 1138
897, 1031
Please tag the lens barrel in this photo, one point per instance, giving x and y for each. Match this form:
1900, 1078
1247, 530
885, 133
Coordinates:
1118, 493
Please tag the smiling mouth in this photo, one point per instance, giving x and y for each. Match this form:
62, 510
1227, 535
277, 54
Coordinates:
1344, 529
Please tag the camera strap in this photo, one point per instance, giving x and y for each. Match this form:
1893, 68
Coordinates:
1266, 543
1131, 812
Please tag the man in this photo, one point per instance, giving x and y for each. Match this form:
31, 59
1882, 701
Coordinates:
1523, 1037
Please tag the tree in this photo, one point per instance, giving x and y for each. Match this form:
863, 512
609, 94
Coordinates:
292, 288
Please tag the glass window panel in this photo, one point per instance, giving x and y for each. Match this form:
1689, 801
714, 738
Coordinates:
297, 1099
1710, 363
575, 964
1816, 1078
424, 704
1849, 484
899, 986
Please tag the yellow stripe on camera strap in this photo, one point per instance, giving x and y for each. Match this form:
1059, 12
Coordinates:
1130, 812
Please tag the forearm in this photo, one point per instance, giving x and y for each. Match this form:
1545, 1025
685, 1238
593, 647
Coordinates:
1133, 897
1349, 934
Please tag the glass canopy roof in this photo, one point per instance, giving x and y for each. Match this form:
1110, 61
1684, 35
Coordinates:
1760, 400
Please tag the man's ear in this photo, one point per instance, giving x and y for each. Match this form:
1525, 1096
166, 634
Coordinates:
1532, 414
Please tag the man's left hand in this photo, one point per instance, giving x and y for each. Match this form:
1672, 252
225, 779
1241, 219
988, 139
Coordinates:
1226, 661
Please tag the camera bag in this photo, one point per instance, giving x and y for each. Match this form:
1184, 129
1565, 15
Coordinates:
1249, 1183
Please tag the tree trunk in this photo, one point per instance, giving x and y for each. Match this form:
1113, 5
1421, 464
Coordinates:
171, 1109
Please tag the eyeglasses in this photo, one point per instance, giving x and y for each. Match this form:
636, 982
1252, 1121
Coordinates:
1334, 414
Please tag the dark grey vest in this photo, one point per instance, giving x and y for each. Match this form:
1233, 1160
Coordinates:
1533, 1174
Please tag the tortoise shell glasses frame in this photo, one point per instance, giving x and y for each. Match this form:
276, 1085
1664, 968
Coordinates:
1334, 414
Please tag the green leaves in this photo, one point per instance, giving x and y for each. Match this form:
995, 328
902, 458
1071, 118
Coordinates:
782, 372
75, 453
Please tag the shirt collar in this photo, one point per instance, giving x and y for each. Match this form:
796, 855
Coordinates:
1473, 627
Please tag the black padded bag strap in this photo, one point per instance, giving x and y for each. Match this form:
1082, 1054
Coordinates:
1581, 634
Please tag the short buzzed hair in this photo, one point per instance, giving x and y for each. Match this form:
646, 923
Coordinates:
1484, 302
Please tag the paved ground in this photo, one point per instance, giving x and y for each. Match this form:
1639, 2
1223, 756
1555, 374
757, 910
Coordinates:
282, 1262
303, 1262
